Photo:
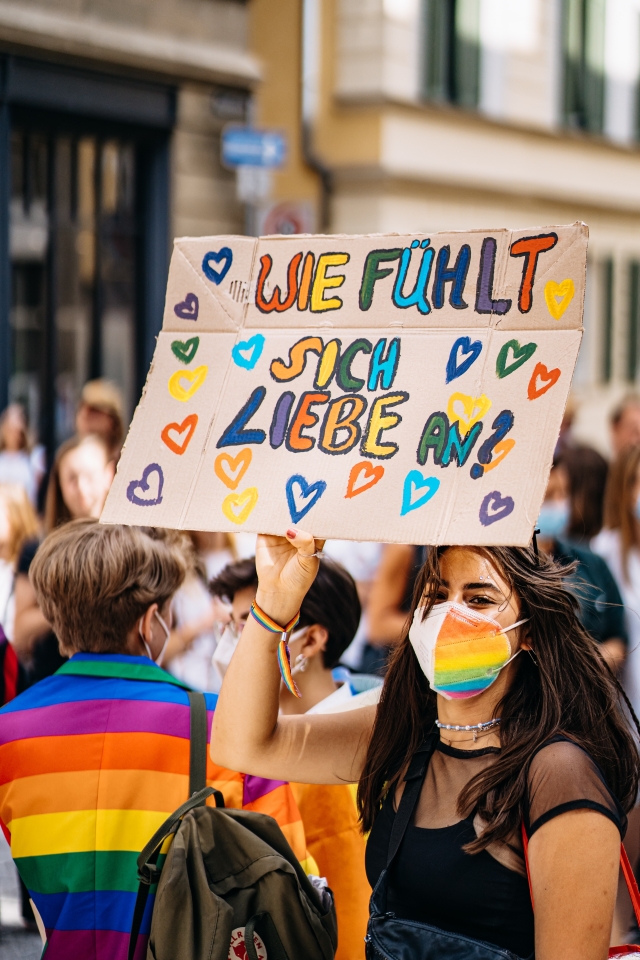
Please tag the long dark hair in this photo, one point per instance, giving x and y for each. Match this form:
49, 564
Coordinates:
567, 689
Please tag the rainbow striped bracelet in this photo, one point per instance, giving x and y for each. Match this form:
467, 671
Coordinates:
284, 657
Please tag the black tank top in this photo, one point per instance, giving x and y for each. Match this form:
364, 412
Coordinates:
485, 895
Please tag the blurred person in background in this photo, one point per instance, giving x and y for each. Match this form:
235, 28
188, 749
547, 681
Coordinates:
79, 482
390, 602
329, 618
625, 424
586, 472
100, 412
361, 560
21, 462
196, 614
619, 544
567, 513
106, 740
18, 525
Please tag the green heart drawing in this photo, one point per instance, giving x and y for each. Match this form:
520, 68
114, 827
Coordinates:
520, 356
185, 350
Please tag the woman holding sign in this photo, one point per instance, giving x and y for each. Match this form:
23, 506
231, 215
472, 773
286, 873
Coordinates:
498, 725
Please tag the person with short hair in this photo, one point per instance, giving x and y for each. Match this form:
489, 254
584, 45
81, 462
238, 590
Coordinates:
95, 757
624, 422
329, 618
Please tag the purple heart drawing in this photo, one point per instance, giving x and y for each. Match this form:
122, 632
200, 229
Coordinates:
187, 309
143, 485
225, 256
495, 507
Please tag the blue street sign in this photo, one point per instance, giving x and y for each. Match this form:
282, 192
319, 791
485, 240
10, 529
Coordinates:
244, 146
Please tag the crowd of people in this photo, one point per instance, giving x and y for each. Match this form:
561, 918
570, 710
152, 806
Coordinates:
88, 731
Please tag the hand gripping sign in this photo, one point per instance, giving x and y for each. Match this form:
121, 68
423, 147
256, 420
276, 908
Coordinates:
395, 388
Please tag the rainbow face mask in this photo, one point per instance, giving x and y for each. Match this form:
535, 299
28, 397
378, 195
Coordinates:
461, 652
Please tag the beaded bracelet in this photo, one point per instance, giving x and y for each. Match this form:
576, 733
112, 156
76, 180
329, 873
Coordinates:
284, 657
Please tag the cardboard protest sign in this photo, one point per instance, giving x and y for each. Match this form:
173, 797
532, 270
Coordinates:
394, 388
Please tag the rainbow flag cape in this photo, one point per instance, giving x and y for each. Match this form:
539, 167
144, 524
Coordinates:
92, 761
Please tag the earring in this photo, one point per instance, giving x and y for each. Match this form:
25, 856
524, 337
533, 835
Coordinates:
300, 664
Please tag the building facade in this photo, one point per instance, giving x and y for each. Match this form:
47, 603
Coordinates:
110, 121
425, 115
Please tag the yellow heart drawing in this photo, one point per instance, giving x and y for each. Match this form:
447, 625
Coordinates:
195, 377
559, 296
245, 501
473, 409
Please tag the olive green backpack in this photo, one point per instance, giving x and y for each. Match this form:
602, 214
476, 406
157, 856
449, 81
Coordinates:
230, 886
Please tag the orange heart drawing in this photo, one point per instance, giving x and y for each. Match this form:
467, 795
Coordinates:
502, 449
548, 378
239, 464
368, 471
188, 424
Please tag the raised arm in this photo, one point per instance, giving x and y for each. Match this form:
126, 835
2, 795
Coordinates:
247, 734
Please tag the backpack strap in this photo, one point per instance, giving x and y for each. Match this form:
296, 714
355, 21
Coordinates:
198, 742
275, 949
148, 872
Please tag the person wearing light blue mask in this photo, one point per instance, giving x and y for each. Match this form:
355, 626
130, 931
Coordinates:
601, 607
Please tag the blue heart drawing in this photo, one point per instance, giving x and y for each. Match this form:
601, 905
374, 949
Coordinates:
500, 508
225, 255
311, 490
144, 485
254, 347
413, 482
464, 345
188, 308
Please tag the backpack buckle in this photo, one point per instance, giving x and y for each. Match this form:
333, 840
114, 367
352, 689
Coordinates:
149, 873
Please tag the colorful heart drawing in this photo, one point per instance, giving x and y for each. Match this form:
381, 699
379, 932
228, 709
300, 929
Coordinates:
185, 350
370, 475
548, 378
413, 482
473, 409
237, 465
495, 507
195, 377
225, 256
253, 346
143, 485
237, 506
187, 426
520, 355
465, 346
559, 296
311, 492
188, 308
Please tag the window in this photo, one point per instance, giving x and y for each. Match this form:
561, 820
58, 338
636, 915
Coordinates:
583, 23
73, 237
606, 279
633, 330
452, 54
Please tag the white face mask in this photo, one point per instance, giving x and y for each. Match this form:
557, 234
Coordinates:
167, 632
225, 649
461, 651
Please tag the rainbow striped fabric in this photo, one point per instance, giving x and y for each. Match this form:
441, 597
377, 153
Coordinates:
92, 761
468, 654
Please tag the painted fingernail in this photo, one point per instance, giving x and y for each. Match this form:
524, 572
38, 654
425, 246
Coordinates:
292, 534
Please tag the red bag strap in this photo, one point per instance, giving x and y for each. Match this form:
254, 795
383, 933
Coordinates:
627, 870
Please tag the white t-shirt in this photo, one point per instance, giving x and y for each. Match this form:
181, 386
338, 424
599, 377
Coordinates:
607, 545
192, 602
361, 561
